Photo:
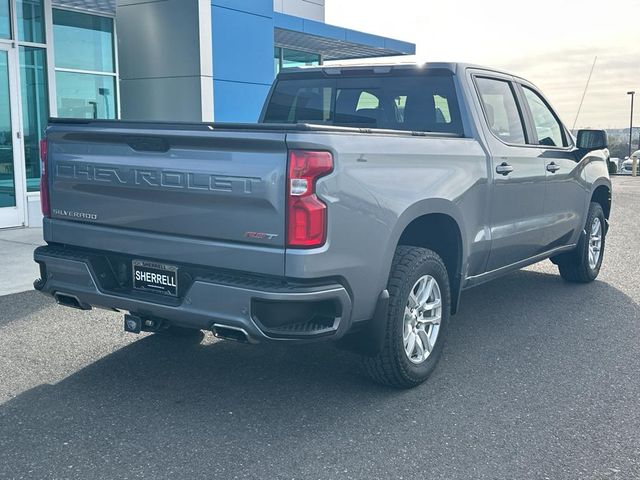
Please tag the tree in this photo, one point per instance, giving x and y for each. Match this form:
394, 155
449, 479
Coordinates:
619, 147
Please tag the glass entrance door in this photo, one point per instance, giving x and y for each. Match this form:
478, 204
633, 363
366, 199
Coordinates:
12, 195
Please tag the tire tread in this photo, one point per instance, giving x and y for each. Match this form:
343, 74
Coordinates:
386, 368
574, 267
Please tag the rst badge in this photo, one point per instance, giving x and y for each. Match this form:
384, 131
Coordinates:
261, 236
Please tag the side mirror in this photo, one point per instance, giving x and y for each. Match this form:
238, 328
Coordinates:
592, 140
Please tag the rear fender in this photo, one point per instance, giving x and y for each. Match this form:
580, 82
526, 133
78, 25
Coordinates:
420, 209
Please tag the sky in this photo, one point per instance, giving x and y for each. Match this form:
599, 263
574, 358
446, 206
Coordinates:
551, 43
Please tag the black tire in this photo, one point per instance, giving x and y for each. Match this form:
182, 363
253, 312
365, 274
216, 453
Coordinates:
181, 332
574, 266
392, 366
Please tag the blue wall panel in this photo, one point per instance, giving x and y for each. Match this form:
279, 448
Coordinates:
242, 46
288, 22
238, 102
319, 29
400, 46
257, 7
323, 30
243, 70
364, 38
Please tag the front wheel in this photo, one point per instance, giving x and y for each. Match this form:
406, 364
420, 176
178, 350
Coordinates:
583, 264
419, 309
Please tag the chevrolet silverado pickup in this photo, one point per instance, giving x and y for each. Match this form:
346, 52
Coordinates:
358, 209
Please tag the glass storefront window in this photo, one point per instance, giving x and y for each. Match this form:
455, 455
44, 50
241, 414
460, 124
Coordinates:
287, 58
5, 19
277, 53
7, 181
35, 109
30, 20
83, 95
83, 42
295, 58
83, 46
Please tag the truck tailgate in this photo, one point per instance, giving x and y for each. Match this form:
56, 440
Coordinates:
195, 183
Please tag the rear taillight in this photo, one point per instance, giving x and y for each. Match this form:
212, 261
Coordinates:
44, 180
306, 213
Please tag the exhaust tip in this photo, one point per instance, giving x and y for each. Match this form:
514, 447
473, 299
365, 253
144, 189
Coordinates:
226, 332
70, 301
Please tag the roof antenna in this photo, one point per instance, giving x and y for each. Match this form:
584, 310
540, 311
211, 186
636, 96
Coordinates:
584, 93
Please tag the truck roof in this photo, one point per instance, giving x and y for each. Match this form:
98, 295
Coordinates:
337, 68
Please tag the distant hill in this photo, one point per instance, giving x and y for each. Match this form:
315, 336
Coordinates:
619, 141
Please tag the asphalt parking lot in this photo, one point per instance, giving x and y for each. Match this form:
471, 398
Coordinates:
540, 379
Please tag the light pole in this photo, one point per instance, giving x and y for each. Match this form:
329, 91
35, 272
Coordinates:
631, 123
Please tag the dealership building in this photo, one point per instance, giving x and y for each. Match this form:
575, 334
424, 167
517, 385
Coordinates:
172, 60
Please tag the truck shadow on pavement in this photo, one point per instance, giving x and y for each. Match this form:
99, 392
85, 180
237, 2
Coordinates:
22, 305
166, 402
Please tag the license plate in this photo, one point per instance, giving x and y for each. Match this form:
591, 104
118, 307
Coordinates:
155, 277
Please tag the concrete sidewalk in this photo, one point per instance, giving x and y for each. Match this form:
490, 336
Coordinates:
17, 268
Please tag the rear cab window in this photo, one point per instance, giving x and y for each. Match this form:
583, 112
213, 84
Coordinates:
410, 100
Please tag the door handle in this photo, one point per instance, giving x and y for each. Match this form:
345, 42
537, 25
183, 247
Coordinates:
504, 169
553, 167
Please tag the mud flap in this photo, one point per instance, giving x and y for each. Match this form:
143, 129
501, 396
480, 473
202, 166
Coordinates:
368, 339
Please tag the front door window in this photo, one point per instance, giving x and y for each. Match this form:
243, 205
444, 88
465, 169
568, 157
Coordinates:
548, 128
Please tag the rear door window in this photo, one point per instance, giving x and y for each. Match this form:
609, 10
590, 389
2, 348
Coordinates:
414, 101
501, 109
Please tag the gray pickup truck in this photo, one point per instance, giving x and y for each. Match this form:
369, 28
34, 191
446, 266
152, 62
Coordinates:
358, 209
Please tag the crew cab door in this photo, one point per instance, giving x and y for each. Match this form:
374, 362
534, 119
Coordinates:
564, 200
517, 198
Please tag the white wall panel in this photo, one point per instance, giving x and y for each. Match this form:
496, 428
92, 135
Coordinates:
312, 9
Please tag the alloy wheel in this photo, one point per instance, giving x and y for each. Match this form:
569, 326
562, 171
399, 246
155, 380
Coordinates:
595, 243
422, 317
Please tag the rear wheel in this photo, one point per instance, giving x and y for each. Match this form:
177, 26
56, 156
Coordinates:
419, 309
583, 264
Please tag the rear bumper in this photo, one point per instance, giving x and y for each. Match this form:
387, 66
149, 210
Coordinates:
265, 309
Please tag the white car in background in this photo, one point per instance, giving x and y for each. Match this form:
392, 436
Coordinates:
617, 162
627, 165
